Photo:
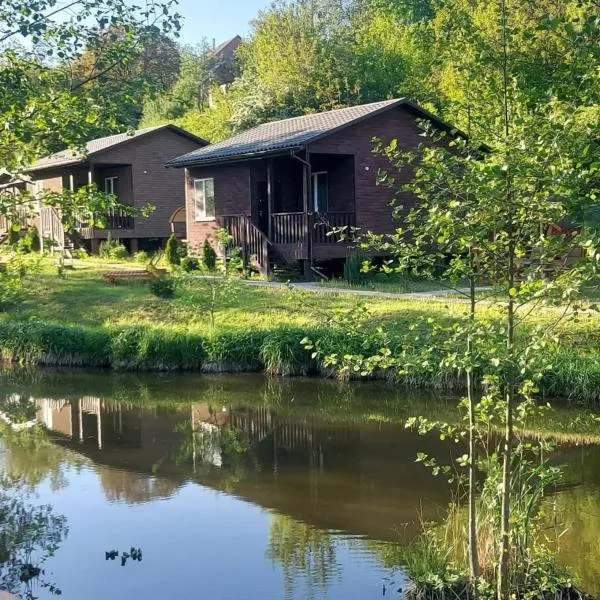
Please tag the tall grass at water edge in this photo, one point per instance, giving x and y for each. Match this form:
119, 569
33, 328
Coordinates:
277, 351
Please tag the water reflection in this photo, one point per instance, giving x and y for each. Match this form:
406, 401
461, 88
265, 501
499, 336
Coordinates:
320, 485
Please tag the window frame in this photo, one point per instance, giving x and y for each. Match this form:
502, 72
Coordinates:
202, 216
315, 196
111, 180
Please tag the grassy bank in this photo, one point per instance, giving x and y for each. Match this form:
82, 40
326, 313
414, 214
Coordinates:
79, 320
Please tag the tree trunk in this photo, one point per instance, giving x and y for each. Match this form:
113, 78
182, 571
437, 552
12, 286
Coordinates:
503, 568
473, 550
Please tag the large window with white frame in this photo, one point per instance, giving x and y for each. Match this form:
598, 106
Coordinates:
111, 185
204, 199
320, 191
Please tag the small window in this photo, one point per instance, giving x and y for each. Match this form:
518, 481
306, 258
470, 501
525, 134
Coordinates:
320, 191
111, 185
204, 199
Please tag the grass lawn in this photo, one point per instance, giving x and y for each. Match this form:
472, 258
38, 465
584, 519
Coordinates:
258, 327
396, 284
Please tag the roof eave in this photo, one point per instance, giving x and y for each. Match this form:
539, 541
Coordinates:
234, 158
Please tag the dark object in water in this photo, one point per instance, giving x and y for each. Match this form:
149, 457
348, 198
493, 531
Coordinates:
28, 572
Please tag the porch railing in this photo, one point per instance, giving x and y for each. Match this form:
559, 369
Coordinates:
119, 219
249, 238
325, 224
288, 228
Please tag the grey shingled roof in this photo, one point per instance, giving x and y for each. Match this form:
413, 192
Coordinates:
289, 134
70, 157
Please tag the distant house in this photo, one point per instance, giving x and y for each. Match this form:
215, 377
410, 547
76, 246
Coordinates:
280, 188
131, 166
224, 54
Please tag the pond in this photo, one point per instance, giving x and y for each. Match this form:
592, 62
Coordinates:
239, 487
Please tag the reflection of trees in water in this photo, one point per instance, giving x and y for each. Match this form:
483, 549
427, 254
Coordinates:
29, 534
29, 457
302, 551
135, 488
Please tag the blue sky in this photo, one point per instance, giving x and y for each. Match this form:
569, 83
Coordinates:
219, 19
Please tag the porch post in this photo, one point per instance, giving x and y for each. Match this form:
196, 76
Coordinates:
270, 185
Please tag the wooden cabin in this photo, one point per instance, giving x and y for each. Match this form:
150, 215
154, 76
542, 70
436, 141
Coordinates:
281, 188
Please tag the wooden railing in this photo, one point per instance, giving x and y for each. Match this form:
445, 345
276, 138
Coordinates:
21, 217
288, 228
118, 219
248, 237
325, 224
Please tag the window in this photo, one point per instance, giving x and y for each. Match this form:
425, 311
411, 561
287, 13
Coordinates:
320, 191
204, 199
111, 185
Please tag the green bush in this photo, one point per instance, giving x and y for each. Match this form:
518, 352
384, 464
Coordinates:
209, 256
80, 253
172, 250
353, 266
163, 287
141, 257
182, 249
118, 252
190, 263
31, 241
13, 236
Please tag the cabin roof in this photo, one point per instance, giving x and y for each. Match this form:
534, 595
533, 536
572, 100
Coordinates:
294, 133
72, 157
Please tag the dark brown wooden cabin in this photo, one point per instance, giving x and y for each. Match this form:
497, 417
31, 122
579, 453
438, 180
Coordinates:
280, 188
130, 165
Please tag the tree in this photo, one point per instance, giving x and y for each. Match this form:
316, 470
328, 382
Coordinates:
42, 104
485, 206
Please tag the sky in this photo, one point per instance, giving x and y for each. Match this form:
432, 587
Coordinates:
218, 19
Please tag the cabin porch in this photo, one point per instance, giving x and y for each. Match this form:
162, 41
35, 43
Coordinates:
296, 204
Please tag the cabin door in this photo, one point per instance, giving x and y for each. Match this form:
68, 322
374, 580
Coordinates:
262, 206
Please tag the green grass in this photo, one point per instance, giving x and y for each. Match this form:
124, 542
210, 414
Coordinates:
395, 284
81, 320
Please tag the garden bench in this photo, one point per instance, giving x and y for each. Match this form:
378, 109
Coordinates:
141, 275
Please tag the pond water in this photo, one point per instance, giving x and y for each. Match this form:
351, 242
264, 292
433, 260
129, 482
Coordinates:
240, 487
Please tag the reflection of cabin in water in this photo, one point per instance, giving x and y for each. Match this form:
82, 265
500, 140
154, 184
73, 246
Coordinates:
359, 477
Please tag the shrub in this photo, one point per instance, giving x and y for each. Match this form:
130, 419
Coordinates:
163, 287
108, 246
80, 253
118, 252
209, 256
13, 236
353, 266
190, 263
172, 251
141, 257
182, 249
31, 241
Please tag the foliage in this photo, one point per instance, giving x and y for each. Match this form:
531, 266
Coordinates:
13, 236
112, 249
12, 278
66, 74
212, 291
141, 257
190, 263
484, 206
163, 287
209, 256
118, 252
172, 250
355, 268
31, 241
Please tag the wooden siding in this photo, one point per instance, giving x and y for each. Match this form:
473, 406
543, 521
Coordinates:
373, 210
151, 182
232, 197
143, 179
